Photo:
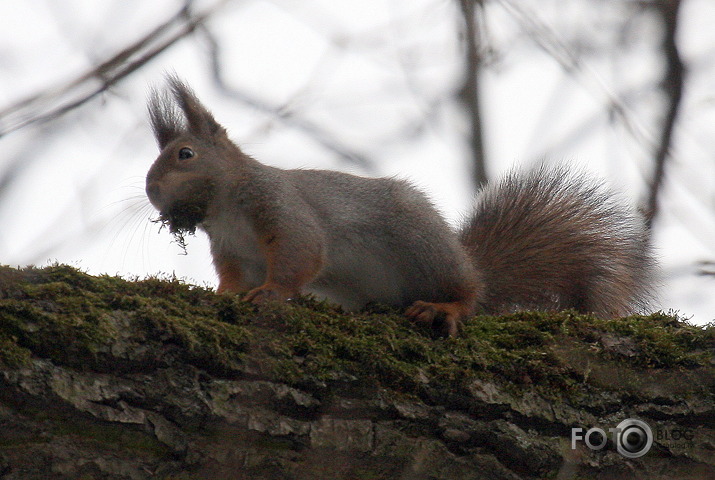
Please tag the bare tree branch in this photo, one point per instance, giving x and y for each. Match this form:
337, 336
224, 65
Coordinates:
672, 86
706, 268
572, 63
285, 115
470, 90
57, 101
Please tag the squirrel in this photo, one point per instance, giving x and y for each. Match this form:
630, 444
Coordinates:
545, 239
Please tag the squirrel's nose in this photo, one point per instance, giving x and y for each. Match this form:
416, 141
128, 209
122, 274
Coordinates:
153, 191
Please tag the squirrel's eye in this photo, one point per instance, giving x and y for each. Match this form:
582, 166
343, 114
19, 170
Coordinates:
185, 153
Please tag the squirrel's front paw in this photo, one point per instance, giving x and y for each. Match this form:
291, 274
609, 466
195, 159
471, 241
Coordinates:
267, 293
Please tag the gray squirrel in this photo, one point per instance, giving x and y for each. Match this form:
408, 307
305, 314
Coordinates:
545, 239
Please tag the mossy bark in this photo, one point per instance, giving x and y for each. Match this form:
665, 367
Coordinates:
102, 377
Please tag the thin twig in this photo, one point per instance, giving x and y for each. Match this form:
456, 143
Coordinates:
573, 64
282, 113
56, 101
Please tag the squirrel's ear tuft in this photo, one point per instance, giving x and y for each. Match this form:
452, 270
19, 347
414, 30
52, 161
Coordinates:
199, 119
166, 120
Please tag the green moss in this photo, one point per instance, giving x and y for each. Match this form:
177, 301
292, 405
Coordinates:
72, 318
11, 354
41, 327
659, 340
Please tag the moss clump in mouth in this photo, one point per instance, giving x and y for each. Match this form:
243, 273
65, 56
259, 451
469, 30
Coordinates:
181, 220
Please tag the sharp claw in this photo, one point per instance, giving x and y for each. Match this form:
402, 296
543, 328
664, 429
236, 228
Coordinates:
264, 294
425, 317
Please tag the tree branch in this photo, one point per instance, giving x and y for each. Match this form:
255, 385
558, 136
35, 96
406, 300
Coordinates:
313, 131
470, 89
672, 86
56, 101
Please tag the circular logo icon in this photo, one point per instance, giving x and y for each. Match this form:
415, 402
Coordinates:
633, 438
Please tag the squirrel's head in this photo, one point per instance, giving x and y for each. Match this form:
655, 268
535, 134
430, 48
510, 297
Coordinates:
195, 155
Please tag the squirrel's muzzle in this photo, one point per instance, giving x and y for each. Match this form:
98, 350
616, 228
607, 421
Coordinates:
153, 191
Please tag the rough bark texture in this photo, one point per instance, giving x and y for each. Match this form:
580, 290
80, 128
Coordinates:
101, 378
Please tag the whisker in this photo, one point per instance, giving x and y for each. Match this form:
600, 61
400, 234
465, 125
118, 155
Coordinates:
140, 218
128, 218
136, 199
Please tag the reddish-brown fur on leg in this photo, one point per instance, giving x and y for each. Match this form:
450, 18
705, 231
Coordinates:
288, 271
230, 279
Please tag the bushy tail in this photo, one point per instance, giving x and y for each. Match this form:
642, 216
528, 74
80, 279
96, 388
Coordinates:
549, 239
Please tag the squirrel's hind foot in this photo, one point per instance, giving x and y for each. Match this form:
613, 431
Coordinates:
444, 317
